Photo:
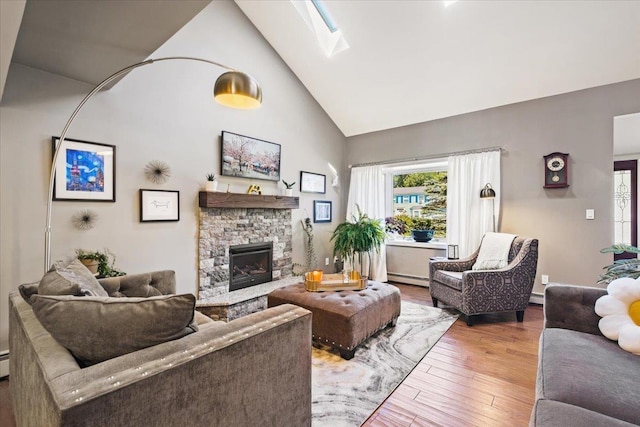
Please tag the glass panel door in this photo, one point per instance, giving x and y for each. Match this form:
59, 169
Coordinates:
625, 179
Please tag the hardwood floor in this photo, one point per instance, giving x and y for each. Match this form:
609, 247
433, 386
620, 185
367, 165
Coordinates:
482, 375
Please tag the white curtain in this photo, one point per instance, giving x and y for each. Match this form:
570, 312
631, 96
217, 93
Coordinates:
469, 216
367, 191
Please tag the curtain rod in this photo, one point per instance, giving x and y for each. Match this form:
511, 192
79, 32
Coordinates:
433, 156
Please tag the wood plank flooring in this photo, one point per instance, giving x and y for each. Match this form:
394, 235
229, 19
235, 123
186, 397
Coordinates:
482, 375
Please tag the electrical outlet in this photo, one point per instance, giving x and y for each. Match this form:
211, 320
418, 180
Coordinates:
590, 214
326, 261
544, 279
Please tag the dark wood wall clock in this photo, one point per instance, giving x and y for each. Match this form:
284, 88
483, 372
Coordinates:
556, 170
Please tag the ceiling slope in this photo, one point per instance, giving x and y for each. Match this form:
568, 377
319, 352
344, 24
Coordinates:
415, 61
89, 40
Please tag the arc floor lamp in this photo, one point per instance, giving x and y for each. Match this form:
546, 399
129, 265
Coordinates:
489, 193
233, 89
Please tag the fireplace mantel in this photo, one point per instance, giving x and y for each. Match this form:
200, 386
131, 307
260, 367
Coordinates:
209, 199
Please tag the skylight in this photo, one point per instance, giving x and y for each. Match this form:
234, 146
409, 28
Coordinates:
317, 17
324, 14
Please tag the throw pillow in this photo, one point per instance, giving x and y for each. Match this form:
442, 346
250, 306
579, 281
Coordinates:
96, 329
27, 290
70, 278
620, 312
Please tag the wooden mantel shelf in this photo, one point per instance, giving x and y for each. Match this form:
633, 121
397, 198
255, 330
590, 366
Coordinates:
209, 199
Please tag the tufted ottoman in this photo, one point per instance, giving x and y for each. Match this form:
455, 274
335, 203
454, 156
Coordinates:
344, 319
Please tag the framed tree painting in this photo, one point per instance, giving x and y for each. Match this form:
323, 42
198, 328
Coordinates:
159, 205
246, 157
84, 171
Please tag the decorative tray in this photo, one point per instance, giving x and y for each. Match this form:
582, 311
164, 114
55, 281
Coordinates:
316, 281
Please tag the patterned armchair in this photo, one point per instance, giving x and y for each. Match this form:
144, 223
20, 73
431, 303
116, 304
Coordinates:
487, 291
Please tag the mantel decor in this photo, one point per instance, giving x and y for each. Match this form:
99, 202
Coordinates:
88, 172
232, 89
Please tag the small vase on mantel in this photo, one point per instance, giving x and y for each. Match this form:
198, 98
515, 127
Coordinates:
211, 186
288, 192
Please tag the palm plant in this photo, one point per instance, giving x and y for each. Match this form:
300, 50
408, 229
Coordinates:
352, 239
621, 267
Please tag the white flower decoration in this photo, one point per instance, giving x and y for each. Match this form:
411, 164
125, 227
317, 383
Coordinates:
620, 312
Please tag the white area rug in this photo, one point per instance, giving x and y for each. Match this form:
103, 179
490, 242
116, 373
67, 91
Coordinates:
347, 392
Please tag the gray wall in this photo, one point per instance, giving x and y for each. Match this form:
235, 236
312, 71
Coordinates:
579, 123
163, 111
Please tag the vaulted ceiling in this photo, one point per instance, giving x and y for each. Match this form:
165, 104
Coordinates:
408, 61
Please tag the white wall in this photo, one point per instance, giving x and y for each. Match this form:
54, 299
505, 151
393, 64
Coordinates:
163, 111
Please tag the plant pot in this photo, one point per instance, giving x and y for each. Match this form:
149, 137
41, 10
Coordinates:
422, 235
288, 192
91, 264
211, 186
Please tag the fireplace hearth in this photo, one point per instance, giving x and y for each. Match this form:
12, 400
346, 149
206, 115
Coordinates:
250, 265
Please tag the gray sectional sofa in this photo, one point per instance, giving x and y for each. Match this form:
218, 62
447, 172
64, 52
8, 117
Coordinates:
584, 379
255, 370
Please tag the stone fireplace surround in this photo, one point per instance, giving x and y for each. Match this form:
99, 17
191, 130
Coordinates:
228, 219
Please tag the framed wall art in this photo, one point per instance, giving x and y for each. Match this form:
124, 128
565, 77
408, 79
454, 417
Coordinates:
322, 211
313, 182
159, 205
246, 157
84, 171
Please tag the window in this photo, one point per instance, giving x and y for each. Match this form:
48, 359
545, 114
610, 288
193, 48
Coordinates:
424, 188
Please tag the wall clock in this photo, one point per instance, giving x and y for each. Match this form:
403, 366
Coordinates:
556, 170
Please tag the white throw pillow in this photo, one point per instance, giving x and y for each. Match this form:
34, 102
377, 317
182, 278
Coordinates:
620, 312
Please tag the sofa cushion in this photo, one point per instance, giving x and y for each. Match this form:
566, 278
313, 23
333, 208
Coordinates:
95, 329
590, 372
70, 278
551, 413
453, 279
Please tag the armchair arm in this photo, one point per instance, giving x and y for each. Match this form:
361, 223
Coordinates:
141, 285
513, 284
572, 307
459, 265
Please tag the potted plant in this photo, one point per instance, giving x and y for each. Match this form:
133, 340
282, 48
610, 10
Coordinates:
289, 190
99, 263
353, 239
211, 184
622, 267
395, 226
421, 229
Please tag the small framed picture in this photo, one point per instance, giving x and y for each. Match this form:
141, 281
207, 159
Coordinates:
159, 205
85, 171
313, 182
321, 211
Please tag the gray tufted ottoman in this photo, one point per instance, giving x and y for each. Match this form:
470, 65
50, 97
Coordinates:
344, 319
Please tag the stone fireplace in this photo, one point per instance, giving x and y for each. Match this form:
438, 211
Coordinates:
229, 225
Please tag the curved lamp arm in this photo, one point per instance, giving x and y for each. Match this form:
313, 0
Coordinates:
246, 87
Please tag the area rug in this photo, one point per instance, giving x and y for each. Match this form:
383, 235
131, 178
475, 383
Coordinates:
346, 392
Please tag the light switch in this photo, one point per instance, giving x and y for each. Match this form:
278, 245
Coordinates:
591, 214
